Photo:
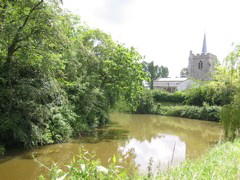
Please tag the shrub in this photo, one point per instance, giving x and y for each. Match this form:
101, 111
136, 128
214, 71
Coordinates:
122, 106
90, 105
163, 96
213, 93
31, 109
146, 103
211, 113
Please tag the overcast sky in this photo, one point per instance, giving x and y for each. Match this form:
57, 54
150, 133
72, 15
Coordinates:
164, 31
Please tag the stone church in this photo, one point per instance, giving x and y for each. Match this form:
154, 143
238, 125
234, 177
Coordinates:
200, 67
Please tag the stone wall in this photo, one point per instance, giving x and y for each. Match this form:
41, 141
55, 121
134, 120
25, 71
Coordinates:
201, 66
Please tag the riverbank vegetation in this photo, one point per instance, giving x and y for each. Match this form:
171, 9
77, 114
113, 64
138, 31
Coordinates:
60, 78
204, 100
171, 104
221, 162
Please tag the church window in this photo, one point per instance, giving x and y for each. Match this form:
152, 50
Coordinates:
200, 65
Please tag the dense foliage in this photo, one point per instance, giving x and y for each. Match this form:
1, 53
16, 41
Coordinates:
217, 93
230, 118
58, 77
206, 112
146, 104
230, 113
164, 96
169, 104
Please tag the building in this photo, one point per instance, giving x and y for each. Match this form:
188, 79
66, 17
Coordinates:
200, 67
169, 84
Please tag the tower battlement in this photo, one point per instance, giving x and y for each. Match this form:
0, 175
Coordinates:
201, 55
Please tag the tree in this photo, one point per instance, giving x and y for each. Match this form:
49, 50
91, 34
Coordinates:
57, 76
154, 72
116, 69
32, 102
229, 74
184, 72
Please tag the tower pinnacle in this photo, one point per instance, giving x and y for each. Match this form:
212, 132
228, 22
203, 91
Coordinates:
204, 47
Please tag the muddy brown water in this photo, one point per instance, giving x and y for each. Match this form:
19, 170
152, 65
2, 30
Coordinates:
168, 141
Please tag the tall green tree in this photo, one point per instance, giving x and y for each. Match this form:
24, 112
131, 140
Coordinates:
32, 102
154, 72
229, 74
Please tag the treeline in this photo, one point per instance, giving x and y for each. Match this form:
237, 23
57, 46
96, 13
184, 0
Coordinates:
204, 100
58, 77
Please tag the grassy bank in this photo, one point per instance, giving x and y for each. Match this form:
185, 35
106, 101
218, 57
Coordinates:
210, 113
221, 162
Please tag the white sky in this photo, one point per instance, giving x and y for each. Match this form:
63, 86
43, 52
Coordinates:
164, 31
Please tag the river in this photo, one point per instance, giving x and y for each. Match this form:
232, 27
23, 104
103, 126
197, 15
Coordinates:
168, 141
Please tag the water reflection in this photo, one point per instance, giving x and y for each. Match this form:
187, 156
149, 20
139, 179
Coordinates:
197, 135
168, 140
165, 150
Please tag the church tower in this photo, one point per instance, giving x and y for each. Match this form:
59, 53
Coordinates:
201, 66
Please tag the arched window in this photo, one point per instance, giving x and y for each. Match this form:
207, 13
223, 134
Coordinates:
200, 65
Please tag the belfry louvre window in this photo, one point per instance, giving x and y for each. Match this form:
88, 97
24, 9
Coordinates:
200, 65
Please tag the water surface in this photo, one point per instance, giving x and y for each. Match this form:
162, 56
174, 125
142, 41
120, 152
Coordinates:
166, 140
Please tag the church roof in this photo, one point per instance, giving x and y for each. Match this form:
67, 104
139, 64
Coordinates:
170, 79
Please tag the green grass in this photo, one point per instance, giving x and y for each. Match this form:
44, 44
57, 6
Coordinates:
221, 162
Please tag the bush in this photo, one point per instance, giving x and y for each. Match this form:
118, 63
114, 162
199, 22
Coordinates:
163, 96
122, 106
213, 93
31, 108
146, 103
211, 113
